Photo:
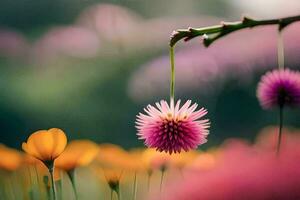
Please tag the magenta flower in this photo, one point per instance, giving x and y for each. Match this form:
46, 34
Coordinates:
171, 128
279, 88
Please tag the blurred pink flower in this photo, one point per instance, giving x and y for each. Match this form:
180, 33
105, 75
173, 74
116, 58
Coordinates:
121, 28
109, 21
71, 41
243, 172
12, 44
237, 56
171, 128
279, 88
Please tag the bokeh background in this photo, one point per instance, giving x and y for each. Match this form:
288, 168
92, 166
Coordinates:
88, 67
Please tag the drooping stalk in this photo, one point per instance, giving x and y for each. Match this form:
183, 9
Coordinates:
280, 130
280, 51
134, 186
280, 57
172, 81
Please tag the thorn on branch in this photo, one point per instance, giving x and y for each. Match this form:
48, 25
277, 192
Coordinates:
207, 41
224, 25
247, 20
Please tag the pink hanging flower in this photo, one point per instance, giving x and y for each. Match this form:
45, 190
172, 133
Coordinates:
171, 128
279, 88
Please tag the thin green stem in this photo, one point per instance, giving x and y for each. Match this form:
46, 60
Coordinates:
51, 171
72, 177
280, 51
134, 186
118, 193
61, 183
111, 194
172, 81
212, 33
161, 180
280, 130
11, 186
149, 180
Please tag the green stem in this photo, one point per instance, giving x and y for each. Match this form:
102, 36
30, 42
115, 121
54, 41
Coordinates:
51, 171
61, 183
280, 51
172, 81
213, 33
118, 192
134, 186
111, 193
149, 179
72, 177
11, 186
280, 129
161, 180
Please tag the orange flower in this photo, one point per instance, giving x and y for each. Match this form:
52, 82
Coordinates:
204, 161
77, 153
153, 159
11, 159
112, 176
113, 156
46, 145
183, 159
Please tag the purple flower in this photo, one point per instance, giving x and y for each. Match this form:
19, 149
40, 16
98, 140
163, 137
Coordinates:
171, 128
279, 88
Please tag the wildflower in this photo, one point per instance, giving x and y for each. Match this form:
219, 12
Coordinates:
181, 160
11, 159
279, 88
112, 176
77, 153
153, 160
113, 156
171, 128
46, 145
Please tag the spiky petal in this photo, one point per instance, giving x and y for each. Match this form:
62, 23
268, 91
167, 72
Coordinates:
171, 128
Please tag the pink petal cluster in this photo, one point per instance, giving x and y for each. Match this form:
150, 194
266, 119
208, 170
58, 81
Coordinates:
279, 88
171, 128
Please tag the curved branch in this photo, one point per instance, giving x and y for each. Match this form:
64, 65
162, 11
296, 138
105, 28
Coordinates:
212, 33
